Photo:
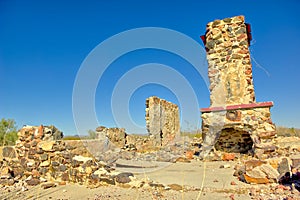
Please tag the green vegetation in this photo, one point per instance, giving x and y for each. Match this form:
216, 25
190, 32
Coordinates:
287, 132
72, 137
92, 134
192, 134
8, 132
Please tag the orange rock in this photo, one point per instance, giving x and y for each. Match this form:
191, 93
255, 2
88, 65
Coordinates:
283, 187
255, 180
38, 133
183, 159
232, 183
189, 155
228, 156
35, 173
62, 183
41, 130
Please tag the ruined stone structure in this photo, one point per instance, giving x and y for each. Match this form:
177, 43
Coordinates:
116, 135
163, 125
35, 161
46, 133
162, 120
234, 122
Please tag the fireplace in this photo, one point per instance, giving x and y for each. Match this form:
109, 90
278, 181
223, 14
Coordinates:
234, 121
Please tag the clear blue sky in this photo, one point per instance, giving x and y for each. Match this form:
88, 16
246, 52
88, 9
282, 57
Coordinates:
43, 44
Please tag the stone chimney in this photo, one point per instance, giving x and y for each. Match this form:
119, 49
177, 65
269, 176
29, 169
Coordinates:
234, 122
230, 71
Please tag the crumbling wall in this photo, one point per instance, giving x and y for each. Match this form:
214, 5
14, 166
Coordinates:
46, 133
162, 120
34, 161
116, 135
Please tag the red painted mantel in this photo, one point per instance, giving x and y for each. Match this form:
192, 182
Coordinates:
239, 106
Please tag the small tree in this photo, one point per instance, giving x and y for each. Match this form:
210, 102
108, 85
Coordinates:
8, 132
92, 134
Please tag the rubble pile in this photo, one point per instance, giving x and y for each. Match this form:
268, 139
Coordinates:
34, 160
282, 167
38, 158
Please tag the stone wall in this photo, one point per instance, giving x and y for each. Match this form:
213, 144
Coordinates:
116, 135
46, 133
230, 71
35, 160
162, 120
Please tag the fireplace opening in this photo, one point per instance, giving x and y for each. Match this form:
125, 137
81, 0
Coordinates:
234, 141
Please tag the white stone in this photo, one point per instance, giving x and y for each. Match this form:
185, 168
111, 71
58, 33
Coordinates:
30, 163
100, 172
45, 164
46, 145
269, 171
82, 158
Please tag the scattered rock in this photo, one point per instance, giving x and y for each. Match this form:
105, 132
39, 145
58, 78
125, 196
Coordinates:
123, 177
225, 166
255, 180
256, 176
33, 181
228, 156
250, 164
48, 185
189, 155
183, 159
271, 173
82, 159
175, 187
284, 166
296, 161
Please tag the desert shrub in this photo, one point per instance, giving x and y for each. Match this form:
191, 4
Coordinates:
92, 134
71, 137
8, 132
287, 132
194, 134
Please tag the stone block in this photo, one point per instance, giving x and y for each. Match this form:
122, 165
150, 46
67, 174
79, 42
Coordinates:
7, 153
284, 166
256, 176
272, 174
